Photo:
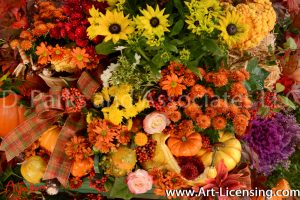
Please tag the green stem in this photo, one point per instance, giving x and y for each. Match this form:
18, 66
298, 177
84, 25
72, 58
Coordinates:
140, 51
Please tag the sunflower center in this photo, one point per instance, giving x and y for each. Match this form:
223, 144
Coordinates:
231, 29
196, 23
154, 22
115, 28
173, 84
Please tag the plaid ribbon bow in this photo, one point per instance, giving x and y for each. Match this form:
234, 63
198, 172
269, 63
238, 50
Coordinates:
48, 108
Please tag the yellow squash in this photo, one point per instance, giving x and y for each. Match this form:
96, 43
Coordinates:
228, 149
49, 138
33, 169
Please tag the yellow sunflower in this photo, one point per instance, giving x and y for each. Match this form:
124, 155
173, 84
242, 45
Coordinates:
153, 21
113, 25
233, 29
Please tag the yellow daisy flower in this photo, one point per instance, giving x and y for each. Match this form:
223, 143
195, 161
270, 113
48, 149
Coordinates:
233, 29
153, 21
113, 25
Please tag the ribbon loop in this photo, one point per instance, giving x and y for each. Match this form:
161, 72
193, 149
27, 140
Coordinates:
87, 85
59, 164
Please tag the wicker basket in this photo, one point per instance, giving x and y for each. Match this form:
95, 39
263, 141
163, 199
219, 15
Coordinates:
57, 81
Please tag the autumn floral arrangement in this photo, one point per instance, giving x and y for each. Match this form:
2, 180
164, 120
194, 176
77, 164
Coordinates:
132, 99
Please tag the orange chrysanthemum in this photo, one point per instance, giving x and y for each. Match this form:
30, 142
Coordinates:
78, 148
209, 77
80, 58
190, 79
240, 123
26, 35
238, 89
26, 44
210, 92
219, 123
193, 111
239, 75
211, 112
40, 30
75, 182
220, 79
177, 68
233, 110
174, 116
14, 43
203, 121
172, 84
220, 105
197, 91
246, 102
43, 52
166, 181
57, 53
123, 136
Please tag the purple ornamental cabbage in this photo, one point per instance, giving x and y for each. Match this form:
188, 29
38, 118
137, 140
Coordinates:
274, 140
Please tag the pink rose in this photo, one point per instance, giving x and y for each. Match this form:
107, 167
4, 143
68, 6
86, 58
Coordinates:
139, 181
155, 122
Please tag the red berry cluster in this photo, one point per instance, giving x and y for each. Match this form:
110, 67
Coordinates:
147, 151
268, 100
159, 101
97, 183
74, 27
75, 101
205, 142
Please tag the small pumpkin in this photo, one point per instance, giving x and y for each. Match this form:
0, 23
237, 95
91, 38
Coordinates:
11, 114
81, 168
33, 169
228, 149
49, 138
185, 145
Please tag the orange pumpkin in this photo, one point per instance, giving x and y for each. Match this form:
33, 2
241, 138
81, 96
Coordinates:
49, 138
11, 114
185, 145
81, 168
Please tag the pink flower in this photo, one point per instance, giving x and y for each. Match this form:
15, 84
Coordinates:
139, 181
155, 122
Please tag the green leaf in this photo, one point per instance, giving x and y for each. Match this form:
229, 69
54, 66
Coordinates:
158, 61
211, 46
120, 189
96, 164
286, 101
279, 87
179, 6
177, 28
170, 47
4, 77
290, 44
257, 76
105, 48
